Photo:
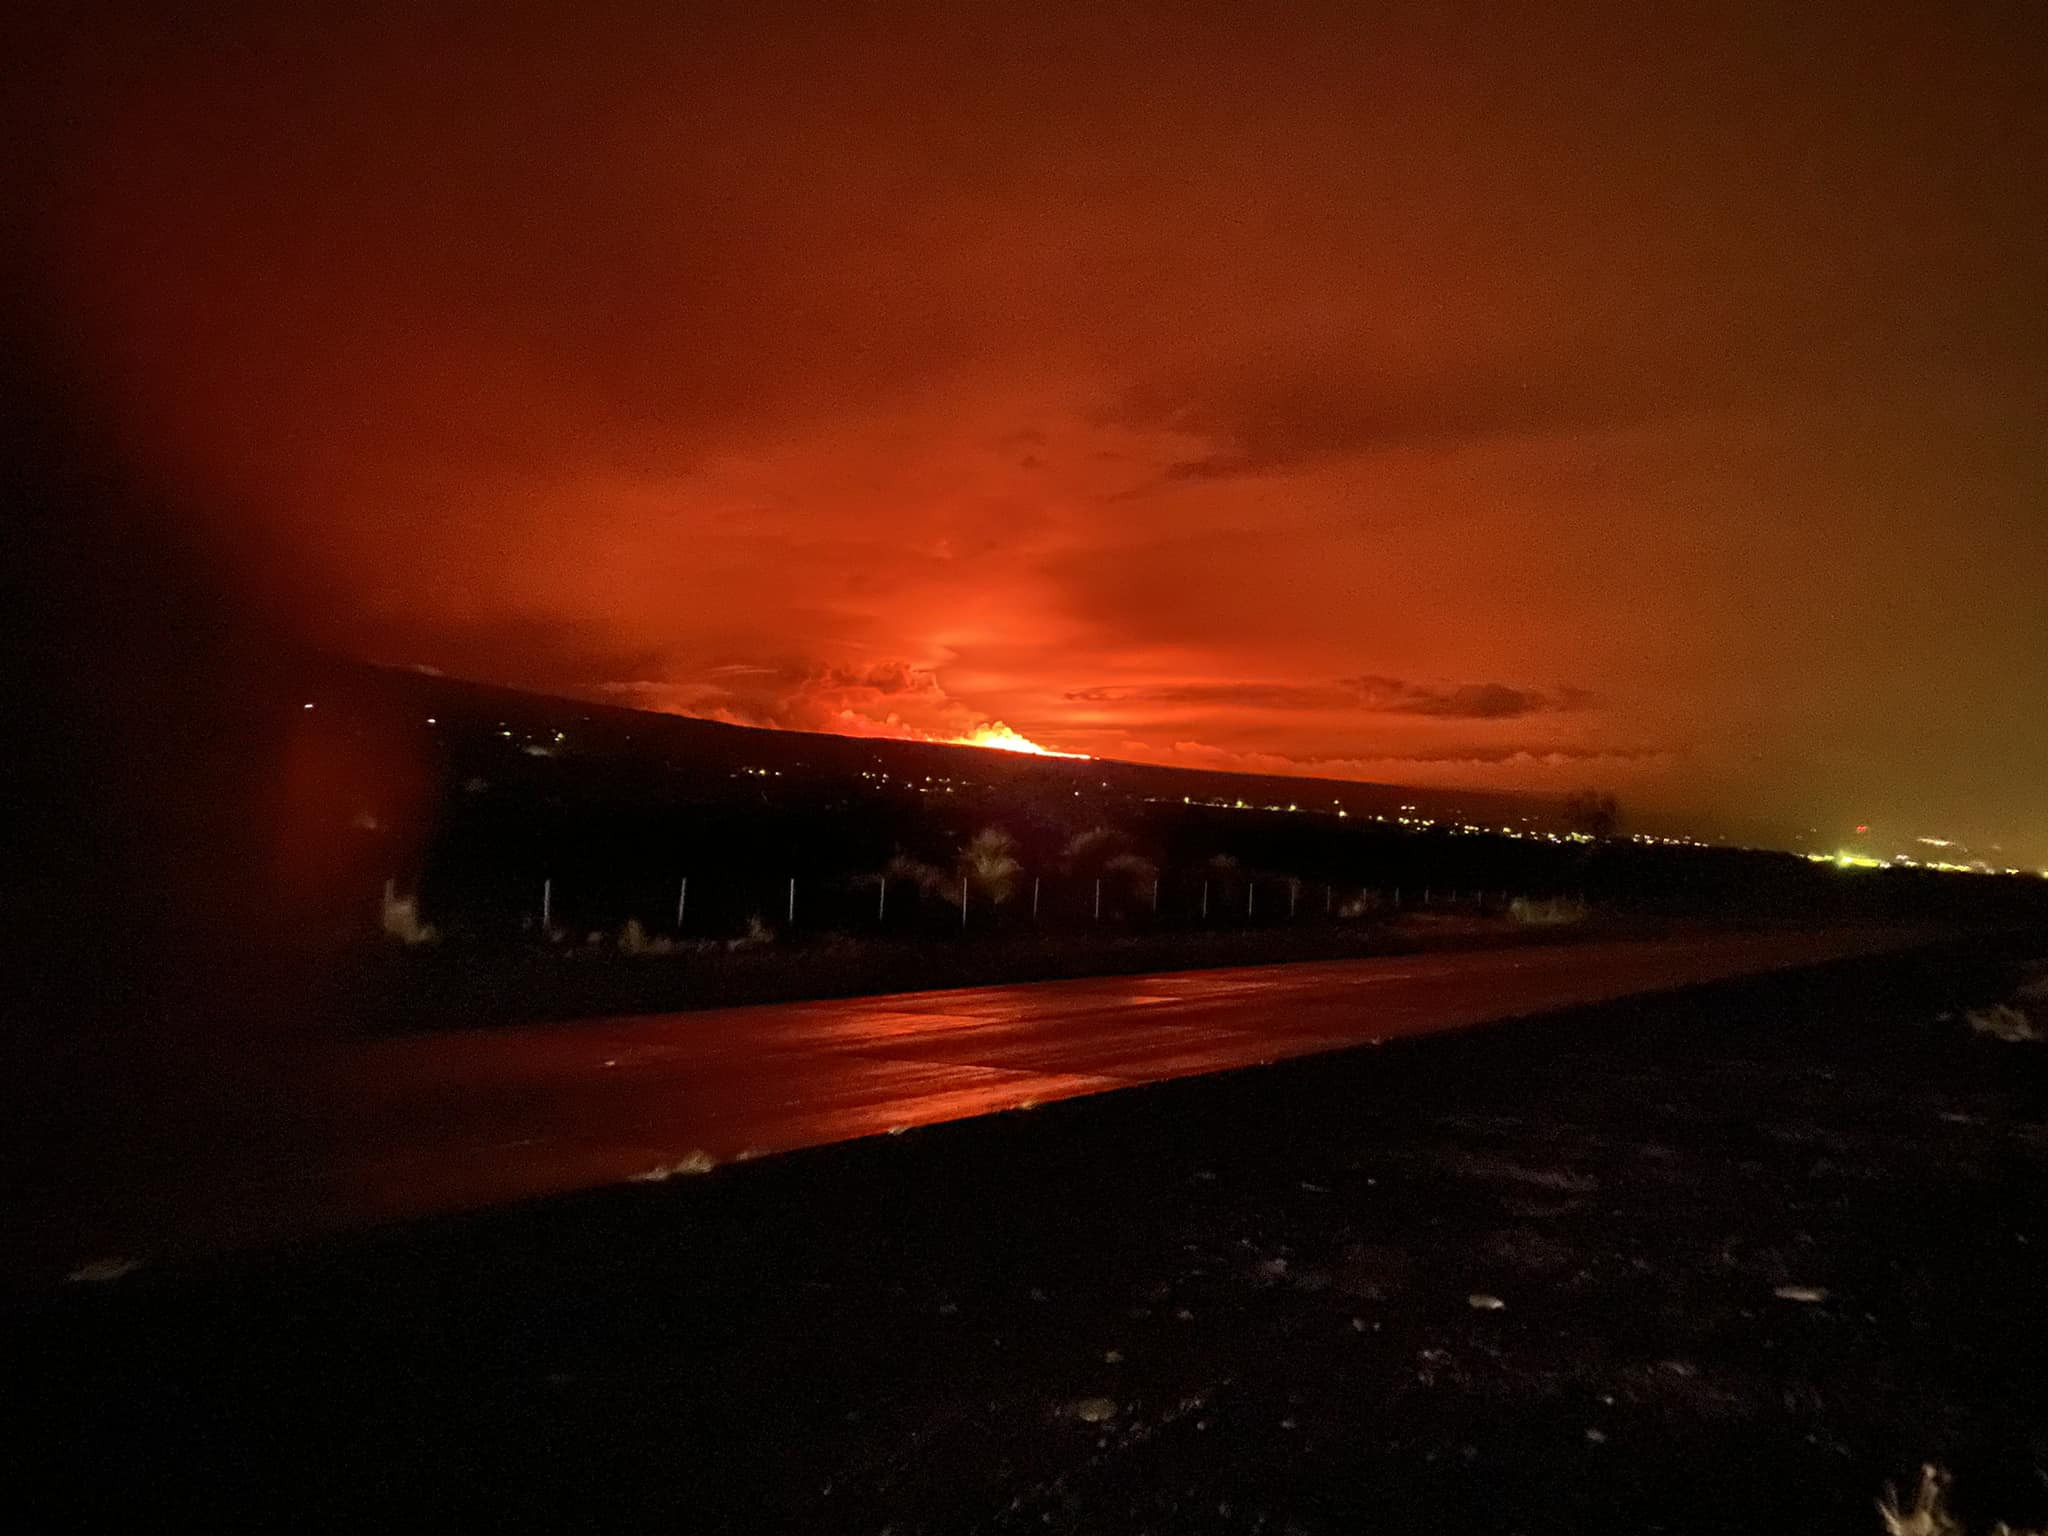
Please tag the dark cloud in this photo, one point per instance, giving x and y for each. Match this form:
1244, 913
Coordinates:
1369, 695
1463, 701
1221, 695
1274, 423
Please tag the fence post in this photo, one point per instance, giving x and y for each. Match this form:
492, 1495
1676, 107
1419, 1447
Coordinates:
1205, 901
792, 901
1098, 898
882, 902
1034, 898
1251, 891
547, 906
682, 902
963, 901
1329, 897
1155, 895
1293, 897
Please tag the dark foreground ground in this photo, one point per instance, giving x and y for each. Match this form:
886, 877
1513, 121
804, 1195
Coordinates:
1240, 1303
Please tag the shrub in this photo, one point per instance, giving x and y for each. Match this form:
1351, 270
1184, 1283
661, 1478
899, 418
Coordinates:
633, 940
1546, 914
401, 918
1928, 1514
2002, 1021
989, 864
758, 933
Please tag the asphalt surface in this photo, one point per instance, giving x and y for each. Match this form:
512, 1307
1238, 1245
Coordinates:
397, 1128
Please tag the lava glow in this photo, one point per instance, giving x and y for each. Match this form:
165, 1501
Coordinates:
999, 736
855, 373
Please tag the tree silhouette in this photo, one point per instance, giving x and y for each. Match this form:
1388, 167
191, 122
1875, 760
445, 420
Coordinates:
1593, 813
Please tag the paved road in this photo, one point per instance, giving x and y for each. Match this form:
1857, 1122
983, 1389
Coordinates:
397, 1128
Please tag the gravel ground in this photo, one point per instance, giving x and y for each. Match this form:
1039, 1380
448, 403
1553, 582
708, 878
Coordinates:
1725, 1261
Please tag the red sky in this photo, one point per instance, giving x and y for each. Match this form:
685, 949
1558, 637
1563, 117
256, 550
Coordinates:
1600, 399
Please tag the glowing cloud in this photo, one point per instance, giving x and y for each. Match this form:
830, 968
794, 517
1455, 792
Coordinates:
1164, 416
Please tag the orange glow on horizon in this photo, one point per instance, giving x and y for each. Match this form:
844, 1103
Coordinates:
1001, 738
1114, 411
994, 735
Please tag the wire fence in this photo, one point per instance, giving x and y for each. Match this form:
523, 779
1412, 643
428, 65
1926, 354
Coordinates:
725, 905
